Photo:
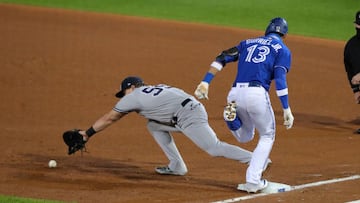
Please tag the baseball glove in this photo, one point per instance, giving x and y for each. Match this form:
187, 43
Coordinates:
74, 140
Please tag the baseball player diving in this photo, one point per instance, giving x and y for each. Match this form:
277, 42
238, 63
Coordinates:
167, 109
260, 60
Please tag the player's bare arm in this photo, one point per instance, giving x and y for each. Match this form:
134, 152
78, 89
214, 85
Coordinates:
220, 61
102, 123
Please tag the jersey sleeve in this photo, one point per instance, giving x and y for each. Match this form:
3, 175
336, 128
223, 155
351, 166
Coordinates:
226, 56
283, 59
127, 104
281, 68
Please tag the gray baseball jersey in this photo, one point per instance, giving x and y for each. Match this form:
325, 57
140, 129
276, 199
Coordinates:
160, 102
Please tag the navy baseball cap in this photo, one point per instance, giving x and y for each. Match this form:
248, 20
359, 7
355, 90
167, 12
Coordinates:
357, 18
126, 84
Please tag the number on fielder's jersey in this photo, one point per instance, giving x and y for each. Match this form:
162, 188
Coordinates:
260, 57
156, 89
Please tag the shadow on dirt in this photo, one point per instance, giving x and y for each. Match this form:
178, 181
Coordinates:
93, 173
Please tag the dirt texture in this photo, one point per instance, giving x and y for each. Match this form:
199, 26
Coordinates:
60, 70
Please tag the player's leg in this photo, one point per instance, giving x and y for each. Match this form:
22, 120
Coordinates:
241, 126
162, 136
205, 138
262, 114
194, 124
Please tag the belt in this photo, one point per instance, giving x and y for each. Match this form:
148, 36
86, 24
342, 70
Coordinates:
183, 103
254, 84
173, 122
248, 84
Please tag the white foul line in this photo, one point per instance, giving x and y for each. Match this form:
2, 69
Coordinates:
355, 201
237, 199
325, 182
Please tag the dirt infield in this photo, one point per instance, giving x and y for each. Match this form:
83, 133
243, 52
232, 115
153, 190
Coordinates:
60, 69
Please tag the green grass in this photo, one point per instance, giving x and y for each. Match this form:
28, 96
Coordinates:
9, 199
317, 18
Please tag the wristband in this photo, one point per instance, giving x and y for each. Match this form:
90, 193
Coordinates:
208, 77
90, 132
284, 101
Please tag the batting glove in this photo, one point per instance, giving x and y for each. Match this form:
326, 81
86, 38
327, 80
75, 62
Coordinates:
288, 118
202, 90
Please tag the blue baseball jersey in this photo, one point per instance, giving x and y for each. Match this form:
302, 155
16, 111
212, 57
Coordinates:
259, 57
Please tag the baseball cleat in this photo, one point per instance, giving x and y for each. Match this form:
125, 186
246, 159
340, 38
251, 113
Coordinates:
253, 188
357, 131
230, 111
165, 170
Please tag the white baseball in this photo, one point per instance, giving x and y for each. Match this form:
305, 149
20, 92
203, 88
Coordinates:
52, 164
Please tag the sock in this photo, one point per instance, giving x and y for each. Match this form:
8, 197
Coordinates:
234, 125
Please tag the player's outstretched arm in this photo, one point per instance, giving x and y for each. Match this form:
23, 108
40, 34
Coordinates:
202, 89
226, 56
102, 123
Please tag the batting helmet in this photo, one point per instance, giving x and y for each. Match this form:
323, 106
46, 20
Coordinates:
277, 25
126, 84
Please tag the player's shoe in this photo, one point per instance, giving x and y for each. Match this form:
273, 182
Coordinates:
230, 111
232, 120
357, 131
253, 188
165, 170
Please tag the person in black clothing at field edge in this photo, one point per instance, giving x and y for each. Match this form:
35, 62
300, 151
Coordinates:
352, 61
